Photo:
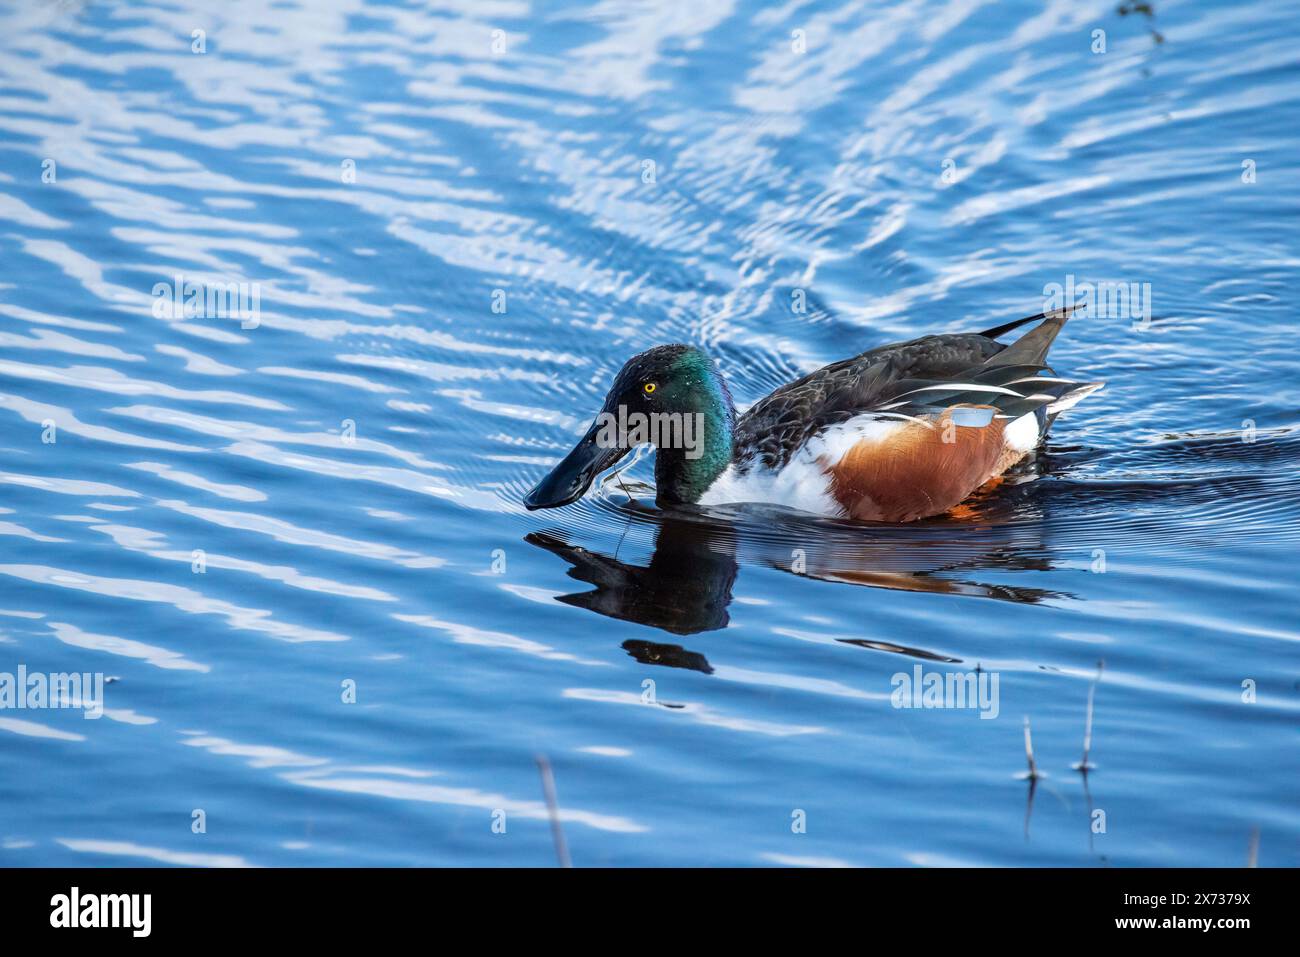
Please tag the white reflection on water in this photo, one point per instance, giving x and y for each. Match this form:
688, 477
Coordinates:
126, 647
34, 729
187, 600
160, 855
463, 797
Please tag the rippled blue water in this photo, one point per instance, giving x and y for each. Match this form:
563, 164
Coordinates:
238, 525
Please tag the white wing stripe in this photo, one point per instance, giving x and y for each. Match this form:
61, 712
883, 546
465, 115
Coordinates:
962, 387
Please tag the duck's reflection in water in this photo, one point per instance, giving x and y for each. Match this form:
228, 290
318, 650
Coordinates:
685, 589
687, 586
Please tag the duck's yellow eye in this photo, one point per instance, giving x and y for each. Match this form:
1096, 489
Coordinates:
649, 388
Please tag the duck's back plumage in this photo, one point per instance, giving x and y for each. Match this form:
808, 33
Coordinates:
776, 426
901, 431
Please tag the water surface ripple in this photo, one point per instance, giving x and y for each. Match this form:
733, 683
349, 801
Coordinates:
448, 215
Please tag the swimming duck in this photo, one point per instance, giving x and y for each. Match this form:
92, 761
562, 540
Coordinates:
901, 432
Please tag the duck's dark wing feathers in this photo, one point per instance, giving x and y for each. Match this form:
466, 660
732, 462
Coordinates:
905, 378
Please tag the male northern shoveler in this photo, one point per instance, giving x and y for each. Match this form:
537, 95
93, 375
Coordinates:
898, 433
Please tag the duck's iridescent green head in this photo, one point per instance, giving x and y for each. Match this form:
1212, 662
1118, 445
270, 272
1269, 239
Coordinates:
671, 397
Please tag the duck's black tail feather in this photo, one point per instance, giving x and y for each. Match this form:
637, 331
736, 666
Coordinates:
1032, 347
1006, 327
